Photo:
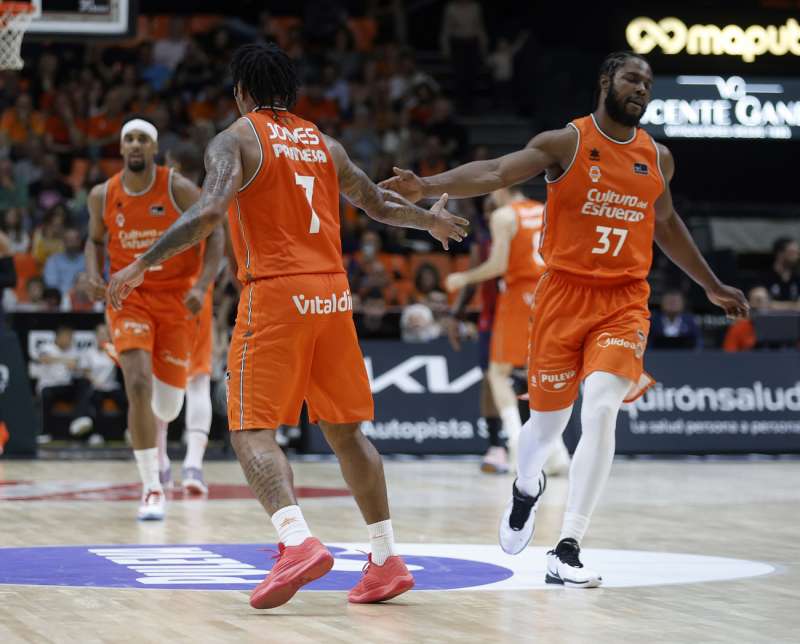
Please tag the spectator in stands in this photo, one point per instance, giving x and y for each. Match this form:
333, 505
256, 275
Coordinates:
51, 188
336, 88
344, 54
14, 228
13, 193
783, 280
169, 51
673, 327
28, 168
361, 140
20, 124
62, 269
101, 372
433, 159
53, 300
61, 133
102, 130
417, 324
8, 276
464, 41
49, 237
453, 135
58, 380
373, 321
741, 335
34, 296
427, 281
501, 64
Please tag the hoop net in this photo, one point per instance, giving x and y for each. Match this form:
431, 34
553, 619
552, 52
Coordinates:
14, 20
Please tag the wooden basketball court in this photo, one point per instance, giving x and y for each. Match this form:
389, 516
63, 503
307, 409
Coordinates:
718, 559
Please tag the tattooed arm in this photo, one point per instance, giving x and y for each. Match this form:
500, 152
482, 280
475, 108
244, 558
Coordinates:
387, 206
223, 177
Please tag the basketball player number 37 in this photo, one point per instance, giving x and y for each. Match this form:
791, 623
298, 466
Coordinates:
307, 183
604, 243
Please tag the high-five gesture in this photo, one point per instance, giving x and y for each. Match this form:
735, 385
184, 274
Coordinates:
406, 183
447, 226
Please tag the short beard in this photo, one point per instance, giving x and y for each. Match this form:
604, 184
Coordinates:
137, 166
616, 109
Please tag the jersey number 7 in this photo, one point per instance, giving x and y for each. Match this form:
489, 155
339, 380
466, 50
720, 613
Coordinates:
307, 183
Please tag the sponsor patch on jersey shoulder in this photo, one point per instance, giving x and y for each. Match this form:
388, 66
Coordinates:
157, 210
640, 168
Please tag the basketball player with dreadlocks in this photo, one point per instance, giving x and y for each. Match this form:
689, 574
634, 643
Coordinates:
608, 199
294, 338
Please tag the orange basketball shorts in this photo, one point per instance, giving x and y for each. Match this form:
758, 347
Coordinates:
511, 328
200, 362
295, 340
157, 322
578, 328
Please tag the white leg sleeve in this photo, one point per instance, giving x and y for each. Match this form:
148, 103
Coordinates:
198, 404
167, 400
591, 463
536, 440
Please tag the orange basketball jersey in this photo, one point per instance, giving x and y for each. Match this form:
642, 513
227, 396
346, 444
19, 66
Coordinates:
285, 219
600, 214
525, 264
136, 220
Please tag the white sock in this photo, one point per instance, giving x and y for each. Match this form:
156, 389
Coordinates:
161, 443
381, 541
603, 394
147, 462
512, 424
291, 526
535, 442
196, 442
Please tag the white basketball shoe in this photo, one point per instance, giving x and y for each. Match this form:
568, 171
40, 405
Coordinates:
517, 524
564, 567
153, 506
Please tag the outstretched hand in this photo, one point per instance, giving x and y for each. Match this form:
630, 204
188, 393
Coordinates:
446, 226
731, 300
123, 282
406, 183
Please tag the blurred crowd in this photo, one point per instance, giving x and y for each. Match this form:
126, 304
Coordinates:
62, 114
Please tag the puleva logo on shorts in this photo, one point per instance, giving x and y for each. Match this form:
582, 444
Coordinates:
605, 340
554, 380
323, 305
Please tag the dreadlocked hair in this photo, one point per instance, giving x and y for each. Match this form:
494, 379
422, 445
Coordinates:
266, 73
611, 64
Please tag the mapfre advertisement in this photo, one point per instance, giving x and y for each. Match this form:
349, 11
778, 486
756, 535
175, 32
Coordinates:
723, 107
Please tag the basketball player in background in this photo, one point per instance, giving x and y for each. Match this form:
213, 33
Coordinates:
153, 333
516, 228
495, 461
608, 198
294, 338
187, 159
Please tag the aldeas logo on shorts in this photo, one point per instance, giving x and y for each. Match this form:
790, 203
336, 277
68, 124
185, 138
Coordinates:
323, 305
605, 340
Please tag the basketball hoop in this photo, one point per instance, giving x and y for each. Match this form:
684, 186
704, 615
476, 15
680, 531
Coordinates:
14, 20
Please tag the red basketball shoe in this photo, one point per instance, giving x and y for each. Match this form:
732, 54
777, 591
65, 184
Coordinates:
380, 583
295, 567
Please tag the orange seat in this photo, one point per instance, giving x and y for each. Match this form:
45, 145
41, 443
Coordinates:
395, 265
110, 167
440, 261
461, 263
26, 267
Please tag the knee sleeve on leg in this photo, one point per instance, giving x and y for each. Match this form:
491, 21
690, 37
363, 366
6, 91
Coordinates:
167, 400
198, 404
